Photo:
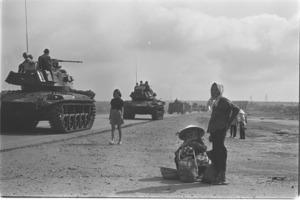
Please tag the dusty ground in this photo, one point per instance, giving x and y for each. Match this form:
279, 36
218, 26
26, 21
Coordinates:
90, 167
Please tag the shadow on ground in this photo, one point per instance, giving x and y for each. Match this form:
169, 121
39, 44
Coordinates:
171, 186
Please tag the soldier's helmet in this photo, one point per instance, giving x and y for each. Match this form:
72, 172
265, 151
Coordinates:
25, 55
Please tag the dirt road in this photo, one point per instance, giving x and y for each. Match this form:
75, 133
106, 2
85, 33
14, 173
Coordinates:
90, 167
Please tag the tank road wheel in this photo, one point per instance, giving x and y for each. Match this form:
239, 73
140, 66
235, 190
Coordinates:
76, 121
82, 120
158, 114
71, 122
58, 121
65, 120
91, 117
155, 114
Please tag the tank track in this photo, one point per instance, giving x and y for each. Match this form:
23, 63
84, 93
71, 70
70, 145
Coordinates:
10, 124
14, 120
158, 113
71, 117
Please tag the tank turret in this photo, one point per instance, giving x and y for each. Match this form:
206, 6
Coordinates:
56, 101
143, 101
140, 93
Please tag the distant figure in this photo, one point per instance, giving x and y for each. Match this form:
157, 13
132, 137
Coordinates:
27, 65
147, 87
116, 115
242, 122
45, 64
233, 128
223, 113
141, 83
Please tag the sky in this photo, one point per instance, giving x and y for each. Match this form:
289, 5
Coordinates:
181, 47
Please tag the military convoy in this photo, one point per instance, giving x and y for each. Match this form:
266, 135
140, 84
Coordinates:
143, 102
66, 109
179, 107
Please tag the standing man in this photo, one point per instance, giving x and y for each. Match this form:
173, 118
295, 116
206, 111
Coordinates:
223, 113
45, 63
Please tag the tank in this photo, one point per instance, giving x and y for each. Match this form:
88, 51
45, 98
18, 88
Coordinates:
179, 107
195, 107
55, 100
143, 102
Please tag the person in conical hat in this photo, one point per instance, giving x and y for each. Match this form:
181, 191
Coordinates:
185, 133
193, 138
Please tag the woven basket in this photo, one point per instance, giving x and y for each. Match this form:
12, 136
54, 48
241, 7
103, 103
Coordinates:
169, 173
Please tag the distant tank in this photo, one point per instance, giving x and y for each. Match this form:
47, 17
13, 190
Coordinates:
66, 109
179, 107
143, 102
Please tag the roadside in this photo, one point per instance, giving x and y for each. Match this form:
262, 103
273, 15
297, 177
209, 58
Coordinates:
90, 167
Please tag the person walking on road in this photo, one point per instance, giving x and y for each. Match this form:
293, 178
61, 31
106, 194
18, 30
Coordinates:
242, 123
116, 115
223, 113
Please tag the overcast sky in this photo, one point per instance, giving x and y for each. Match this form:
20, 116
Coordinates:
179, 46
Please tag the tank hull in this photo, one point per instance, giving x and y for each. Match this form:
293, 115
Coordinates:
65, 111
153, 108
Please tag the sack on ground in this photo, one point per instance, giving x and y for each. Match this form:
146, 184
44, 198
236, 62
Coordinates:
210, 174
187, 170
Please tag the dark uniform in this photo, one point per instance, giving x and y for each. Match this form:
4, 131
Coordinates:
45, 64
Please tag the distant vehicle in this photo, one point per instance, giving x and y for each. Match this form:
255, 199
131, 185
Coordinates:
202, 108
187, 107
143, 102
195, 107
179, 107
66, 109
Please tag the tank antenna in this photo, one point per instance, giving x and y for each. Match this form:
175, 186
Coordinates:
26, 26
135, 70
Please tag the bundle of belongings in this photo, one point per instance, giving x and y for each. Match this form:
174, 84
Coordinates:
191, 158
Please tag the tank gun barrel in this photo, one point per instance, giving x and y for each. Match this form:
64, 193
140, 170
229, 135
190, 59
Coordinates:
73, 61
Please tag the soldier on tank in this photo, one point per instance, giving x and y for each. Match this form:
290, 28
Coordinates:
45, 64
27, 65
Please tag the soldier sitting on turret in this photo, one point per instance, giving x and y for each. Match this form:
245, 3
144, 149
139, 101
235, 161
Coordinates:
28, 65
148, 92
147, 87
45, 64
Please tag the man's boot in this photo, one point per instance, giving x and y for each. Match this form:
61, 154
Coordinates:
221, 178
